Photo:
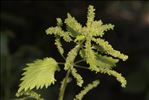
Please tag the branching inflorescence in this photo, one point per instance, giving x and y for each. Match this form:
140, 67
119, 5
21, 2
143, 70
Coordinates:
92, 49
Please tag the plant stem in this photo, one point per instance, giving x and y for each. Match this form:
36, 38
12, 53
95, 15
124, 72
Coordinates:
61, 63
79, 61
63, 85
63, 56
65, 80
79, 66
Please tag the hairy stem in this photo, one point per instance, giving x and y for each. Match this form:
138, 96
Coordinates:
76, 65
79, 61
65, 81
79, 66
63, 56
61, 63
63, 85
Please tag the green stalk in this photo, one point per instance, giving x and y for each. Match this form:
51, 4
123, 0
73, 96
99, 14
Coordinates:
63, 85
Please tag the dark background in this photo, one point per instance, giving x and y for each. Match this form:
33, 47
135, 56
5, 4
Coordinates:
23, 39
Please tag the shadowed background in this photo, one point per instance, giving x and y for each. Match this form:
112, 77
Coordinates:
23, 39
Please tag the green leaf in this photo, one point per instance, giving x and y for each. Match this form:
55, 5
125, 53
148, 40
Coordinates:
82, 53
73, 27
86, 90
77, 77
118, 76
72, 32
30, 94
58, 31
71, 57
79, 38
59, 22
97, 29
109, 49
107, 27
38, 74
90, 15
102, 61
90, 55
98, 48
105, 61
59, 45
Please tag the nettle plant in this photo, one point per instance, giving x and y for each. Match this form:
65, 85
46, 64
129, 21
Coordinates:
89, 45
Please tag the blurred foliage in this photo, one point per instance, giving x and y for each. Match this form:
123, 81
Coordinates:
138, 81
23, 39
